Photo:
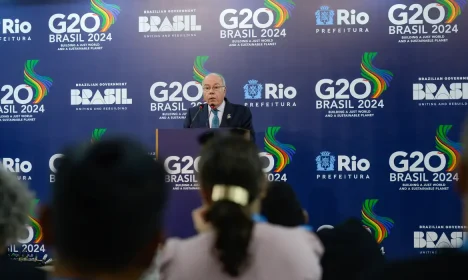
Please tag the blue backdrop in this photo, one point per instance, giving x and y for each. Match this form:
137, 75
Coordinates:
359, 104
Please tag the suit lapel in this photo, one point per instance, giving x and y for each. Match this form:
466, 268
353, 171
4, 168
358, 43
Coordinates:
227, 114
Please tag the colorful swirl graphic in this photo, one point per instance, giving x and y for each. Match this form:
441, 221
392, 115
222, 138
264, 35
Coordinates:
380, 225
40, 84
199, 71
454, 9
97, 134
448, 147
34, 223
107, 12
38, 236
282, 9
379, 78
282, 152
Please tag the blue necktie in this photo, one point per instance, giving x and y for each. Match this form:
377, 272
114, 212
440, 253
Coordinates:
215, 121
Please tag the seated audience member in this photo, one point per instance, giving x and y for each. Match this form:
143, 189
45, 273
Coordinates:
15, 203
280, 206
230, 244
206, 136
105, 217
350, 251
448, 263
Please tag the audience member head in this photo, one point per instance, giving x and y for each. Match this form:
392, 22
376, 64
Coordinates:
281, 206
205, 137
15, 203
106, 213
231, 180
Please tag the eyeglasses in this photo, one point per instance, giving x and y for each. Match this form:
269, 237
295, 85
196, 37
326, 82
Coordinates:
215, 88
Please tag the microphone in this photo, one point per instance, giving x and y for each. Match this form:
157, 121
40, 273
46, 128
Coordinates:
198, 112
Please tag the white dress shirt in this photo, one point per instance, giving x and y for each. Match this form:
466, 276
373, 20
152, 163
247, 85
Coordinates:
220, 113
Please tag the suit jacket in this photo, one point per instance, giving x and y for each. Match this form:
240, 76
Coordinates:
351, 252
239, 117
448, 264
16, 270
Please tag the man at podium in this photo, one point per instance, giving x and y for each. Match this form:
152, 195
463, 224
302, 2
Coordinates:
218, 111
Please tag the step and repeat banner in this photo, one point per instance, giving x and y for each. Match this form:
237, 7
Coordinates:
357, 104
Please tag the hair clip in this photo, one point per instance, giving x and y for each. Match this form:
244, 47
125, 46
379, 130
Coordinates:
235, 194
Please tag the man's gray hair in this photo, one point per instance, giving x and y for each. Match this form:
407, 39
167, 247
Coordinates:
216, 74
15, 203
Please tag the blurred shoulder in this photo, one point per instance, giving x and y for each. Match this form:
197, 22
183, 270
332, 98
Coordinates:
174, 245
292, 236
187, 253
293, 253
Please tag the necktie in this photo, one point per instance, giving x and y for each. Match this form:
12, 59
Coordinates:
215, 121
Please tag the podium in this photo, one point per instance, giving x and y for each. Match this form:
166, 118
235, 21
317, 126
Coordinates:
178, 150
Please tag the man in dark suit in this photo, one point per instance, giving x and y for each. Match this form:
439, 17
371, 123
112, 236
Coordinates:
218, 112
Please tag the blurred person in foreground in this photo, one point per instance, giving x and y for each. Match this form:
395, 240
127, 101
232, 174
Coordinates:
105, 217
350, 251
280, 206
15, 203
230, 244
448, 263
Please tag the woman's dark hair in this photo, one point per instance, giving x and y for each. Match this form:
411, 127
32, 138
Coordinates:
231, 160
281, 206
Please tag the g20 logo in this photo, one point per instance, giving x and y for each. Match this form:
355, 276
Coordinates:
27, 237
331, 92
160, 93
176, 165
241, 25
342, 89
404, 165
67, 29
22, 95
73, 23
433, 14
401, 162
403, 17
230, 20
270, 165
